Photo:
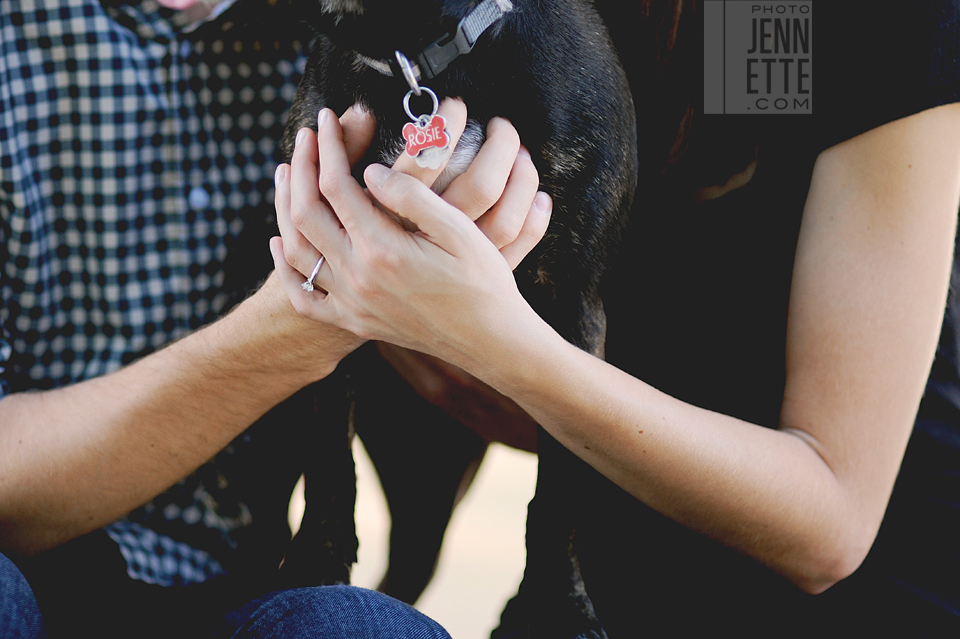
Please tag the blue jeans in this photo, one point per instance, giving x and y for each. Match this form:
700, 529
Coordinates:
19, 612
83, 590
329, 612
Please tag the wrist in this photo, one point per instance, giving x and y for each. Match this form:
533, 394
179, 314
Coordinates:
515, 353
269, 336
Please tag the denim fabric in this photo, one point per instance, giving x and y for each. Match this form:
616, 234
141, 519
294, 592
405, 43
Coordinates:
329, 612
84, 584
19, 613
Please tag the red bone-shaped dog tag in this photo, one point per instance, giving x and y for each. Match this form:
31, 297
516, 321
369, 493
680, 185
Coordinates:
426, 137
431, 134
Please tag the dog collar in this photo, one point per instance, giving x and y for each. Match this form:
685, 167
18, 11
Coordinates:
433, 59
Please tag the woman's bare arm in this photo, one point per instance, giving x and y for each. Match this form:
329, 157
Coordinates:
870, 283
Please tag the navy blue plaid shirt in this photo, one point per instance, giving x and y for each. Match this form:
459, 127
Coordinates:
135, 157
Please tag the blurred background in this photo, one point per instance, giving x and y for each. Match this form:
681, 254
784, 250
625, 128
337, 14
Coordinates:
483, 553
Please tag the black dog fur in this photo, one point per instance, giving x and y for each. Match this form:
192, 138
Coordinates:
549, 67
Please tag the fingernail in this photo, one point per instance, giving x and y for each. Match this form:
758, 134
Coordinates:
543, 202
279, 175
323, 117
300, 135
357, 107
524, 152
377, 174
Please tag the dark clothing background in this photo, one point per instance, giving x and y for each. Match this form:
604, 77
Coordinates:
697, 308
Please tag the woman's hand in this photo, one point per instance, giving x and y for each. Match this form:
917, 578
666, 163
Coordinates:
495, 191
447, 284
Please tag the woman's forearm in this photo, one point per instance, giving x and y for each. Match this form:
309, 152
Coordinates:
763, 492
75, 458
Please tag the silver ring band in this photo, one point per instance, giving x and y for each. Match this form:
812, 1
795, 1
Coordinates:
308, 285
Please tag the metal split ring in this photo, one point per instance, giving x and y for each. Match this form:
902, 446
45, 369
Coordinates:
406, 105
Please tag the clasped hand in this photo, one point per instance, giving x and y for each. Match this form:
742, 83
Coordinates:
439, 280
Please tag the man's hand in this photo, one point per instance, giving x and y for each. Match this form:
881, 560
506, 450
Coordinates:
476, 405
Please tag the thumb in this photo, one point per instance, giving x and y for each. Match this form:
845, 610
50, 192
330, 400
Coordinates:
411, 199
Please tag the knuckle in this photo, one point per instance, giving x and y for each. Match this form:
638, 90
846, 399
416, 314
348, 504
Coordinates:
406, 189
506, 230
407, 194
289, 253
384, 261
329, 185
484, 193
489, 191
499, 237
531, 234
299, 215
364, 285
528, 237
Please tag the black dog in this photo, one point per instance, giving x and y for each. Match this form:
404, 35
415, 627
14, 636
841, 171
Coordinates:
548, 67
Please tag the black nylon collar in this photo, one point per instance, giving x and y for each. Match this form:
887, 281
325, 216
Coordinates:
434, 58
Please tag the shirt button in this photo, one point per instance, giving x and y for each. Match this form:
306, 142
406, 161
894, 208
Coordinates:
199, 199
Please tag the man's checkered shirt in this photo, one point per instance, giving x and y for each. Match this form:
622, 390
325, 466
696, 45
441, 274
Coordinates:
133, 156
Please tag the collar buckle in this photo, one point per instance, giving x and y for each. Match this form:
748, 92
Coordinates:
438, 55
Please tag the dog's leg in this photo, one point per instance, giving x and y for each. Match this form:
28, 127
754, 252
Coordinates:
426, 460
552, 601
325, 547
